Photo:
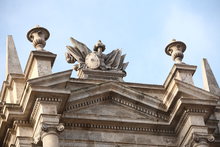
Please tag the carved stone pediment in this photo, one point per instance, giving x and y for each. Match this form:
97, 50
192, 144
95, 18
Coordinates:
110, 110
113, 101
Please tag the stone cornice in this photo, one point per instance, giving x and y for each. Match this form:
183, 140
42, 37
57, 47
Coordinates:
116, 88
166, 118
21, 123
122, 101
48, 80
8, 83
39, 89
174, 124
201, 93
8, 135
179, 88
22, 111
174, 69
13, 132
43, 99
119, 127
205, 112
144, 86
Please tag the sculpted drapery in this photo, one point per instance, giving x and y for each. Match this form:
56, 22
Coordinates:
95, 60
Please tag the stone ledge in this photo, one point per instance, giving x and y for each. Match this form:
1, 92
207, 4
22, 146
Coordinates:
104, 75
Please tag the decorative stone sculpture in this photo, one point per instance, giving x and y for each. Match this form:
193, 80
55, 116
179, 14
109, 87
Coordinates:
176, 50
95, 60
38, 37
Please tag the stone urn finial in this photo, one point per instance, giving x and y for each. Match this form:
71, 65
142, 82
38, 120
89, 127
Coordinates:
38, 37
98, 45
176, 50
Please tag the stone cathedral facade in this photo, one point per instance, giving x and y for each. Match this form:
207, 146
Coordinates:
39, 108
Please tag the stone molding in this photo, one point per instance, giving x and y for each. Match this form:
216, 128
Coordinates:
116, 127
7, 85
43, 99
99, 74
151, 129
11, 132
196, 110
115, 88
175, 69
139, 108
144, 110
21, 123
202, 104
186, 112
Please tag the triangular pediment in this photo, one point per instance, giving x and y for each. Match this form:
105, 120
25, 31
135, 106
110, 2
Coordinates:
114, 89
116, 98
110, 110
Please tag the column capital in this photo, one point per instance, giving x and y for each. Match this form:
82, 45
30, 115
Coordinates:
198, 139
46, 127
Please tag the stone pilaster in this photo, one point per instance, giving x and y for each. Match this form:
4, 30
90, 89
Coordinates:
46, 118
194, 123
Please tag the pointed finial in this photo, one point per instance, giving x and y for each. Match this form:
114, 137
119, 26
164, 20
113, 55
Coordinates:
176, 50
38, 37
12, 61
99, 44
209, 81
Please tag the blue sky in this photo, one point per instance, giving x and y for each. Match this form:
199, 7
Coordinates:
142, 28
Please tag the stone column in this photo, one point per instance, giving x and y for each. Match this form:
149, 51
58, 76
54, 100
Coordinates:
49, 135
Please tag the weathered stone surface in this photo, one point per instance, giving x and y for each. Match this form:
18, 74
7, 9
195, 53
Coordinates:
176, 50
45, 109
110, 110
38, 37
99, 74
39, 64
209, 81
13, 65
90, 63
